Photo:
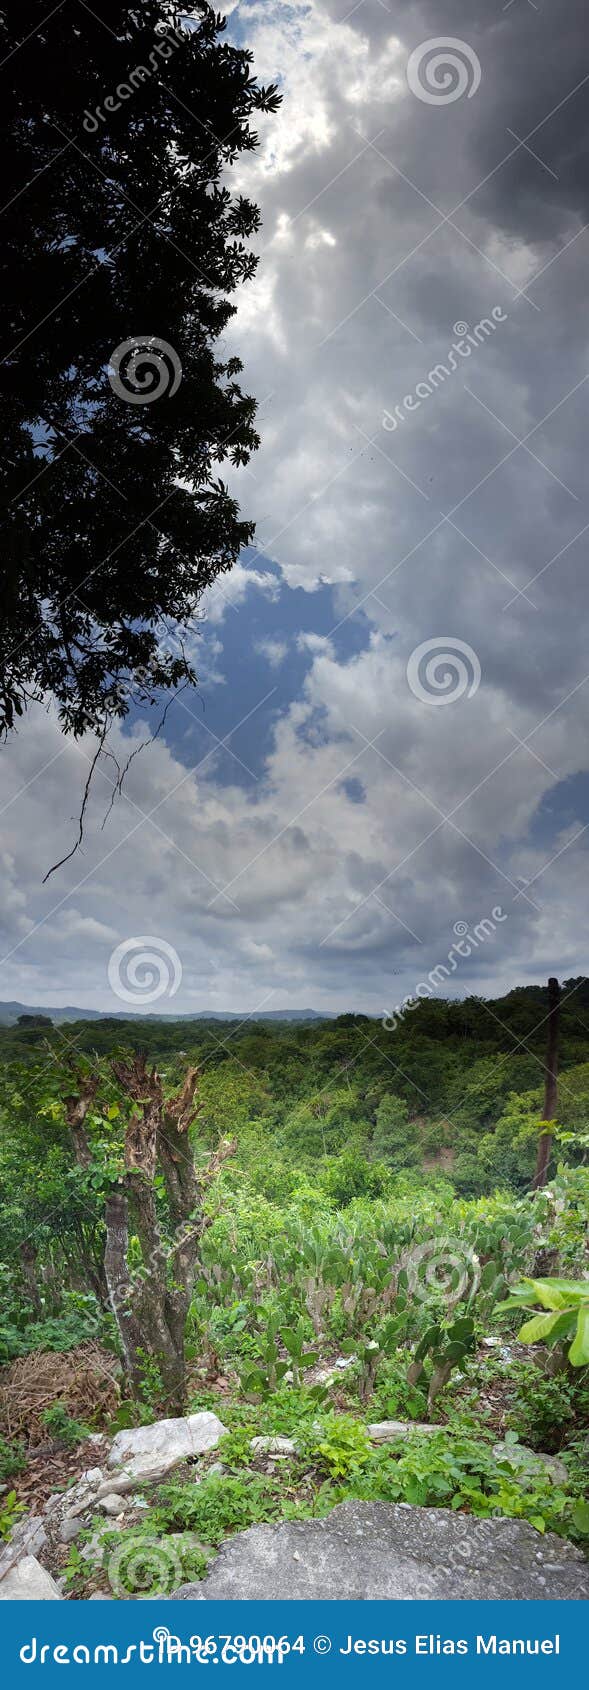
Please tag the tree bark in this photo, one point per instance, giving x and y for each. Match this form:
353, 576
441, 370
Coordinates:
28, 1261
76, 1110
550, 1085
118, 1280
151, 1307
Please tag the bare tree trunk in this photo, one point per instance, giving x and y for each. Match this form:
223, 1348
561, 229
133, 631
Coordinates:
150, 1305
150, 1309
118, 1280
550, 1087
76, 1110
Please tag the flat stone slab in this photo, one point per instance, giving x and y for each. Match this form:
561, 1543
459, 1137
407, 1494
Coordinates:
385, 1431
533, 1462
29, 1582
273, 1446
28, 1538
365, 1551
146, 1453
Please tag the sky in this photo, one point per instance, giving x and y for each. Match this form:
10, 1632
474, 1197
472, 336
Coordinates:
335, 806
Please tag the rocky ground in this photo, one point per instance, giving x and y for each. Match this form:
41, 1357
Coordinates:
361, 1549
387, 1551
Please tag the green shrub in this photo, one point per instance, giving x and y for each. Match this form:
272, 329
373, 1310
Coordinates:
395, 1398
339, 1444
60, 1425
544, 1407
10, 1513
12, 1459
350, 1175
216, 1508
458, 1470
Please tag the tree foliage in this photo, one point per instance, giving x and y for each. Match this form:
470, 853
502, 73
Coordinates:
119, 230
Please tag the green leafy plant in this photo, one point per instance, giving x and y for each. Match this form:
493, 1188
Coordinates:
458, 1470
215, 1508
544, 1407
395, 1397
340, 1445
12, 1459
138, 1564
235, 1450
10, 1513
567, 1303
61, 1426
151, 1389
77, 1568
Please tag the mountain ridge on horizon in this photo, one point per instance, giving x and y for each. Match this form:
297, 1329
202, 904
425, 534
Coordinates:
12, 1009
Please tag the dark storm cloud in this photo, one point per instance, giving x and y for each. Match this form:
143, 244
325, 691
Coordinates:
535, 70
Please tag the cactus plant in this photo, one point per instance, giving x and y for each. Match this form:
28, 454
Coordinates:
446, 1350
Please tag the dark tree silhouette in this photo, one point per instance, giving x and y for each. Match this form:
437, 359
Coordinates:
120, 237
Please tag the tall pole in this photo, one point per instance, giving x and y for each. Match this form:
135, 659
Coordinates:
550, 1084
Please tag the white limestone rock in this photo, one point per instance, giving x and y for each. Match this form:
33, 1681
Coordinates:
273, 1446
386, 1431
28, 1582
144, 1454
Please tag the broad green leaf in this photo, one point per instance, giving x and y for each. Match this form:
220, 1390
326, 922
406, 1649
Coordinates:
540, 1326
581, 1518
579, 1350
547, 1293
564, 1325
568, 1290
520, 1299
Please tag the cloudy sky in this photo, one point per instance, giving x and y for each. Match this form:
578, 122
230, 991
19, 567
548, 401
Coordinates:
314, 822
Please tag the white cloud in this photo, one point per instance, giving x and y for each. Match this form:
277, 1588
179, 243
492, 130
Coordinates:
230, 590
255, 952
274, 651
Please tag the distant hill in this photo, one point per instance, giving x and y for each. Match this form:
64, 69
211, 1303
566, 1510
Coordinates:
10, 1012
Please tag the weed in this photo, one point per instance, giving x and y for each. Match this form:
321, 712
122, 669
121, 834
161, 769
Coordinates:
10, 1512
339, 1444
12, 1459
60, 1425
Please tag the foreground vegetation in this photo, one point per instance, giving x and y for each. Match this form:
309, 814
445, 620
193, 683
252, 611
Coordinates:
359, 1220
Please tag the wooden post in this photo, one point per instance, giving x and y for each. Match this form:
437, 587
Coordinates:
550, 1084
